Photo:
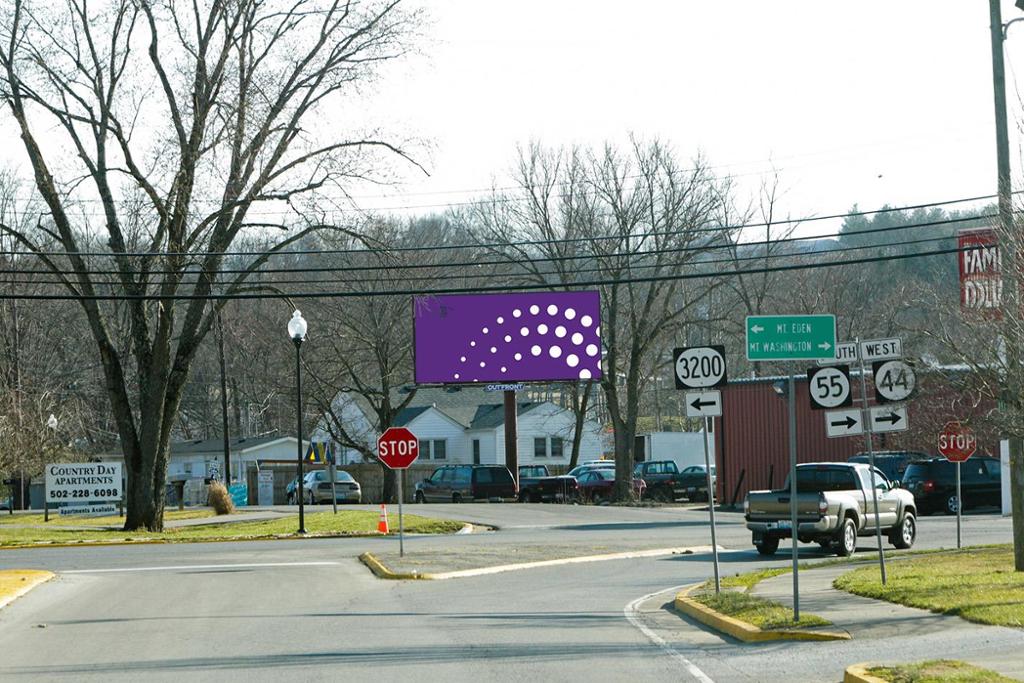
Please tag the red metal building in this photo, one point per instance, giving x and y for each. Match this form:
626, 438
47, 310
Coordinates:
752, 441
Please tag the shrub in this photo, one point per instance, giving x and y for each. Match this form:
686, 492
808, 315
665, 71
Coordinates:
219, 499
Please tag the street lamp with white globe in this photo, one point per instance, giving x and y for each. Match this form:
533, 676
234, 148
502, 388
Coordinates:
297, 331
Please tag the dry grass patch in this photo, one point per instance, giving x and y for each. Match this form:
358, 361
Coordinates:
938, 671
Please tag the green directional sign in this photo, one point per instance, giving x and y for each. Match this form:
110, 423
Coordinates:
791, 337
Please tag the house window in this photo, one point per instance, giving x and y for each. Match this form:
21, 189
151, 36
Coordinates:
476, 451
433, 449
556, 447
540, 447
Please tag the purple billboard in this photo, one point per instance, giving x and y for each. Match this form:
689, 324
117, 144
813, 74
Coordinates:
527, 337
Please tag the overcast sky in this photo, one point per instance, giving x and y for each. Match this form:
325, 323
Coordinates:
866, 102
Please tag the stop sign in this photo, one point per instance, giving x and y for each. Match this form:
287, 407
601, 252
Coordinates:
957, 442
398, 448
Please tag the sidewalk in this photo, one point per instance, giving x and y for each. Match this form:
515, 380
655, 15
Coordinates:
866, 619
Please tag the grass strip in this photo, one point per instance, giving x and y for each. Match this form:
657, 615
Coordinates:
766, 614
347, 523
977, 584
937, 671
109, 520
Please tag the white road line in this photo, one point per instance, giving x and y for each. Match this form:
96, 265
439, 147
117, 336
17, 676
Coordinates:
632, 614
629, 555
169, 568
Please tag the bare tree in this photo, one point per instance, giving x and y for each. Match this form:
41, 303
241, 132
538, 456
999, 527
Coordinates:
164, 178
365, 349
631, 221
985, 341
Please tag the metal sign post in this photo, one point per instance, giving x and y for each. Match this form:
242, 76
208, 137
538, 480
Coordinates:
711, 503
794, 528
868, 441
401, 526
959, 506
702, 368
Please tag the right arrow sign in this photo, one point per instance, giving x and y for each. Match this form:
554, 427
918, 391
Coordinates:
843, 423
888, 419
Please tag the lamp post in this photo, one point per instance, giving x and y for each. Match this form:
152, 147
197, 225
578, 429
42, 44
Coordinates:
51, 423
297, 331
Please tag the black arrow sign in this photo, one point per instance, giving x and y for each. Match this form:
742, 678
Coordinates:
849, 423
891, 418
699, 404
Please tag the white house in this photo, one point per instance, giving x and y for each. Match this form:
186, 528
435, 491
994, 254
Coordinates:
467, 425
203, 458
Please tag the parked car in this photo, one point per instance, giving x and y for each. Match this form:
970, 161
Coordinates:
317, 487
693, 480
662, 480
834, 507
536, 485
597, 485
892, 463
591, 465
466, 483
933, 483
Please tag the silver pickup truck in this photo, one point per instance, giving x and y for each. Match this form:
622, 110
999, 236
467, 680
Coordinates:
834, 507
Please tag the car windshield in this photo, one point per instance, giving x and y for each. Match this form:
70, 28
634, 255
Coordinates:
532, 471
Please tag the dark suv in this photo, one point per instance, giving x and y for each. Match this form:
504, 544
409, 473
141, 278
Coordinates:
466, 483
892, 463
933, 483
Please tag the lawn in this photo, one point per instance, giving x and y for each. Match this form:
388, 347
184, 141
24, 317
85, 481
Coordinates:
347, 523
978, 584
937, 671
761, 612
78, 520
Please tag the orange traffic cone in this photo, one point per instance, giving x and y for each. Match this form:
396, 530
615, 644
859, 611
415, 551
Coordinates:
382, 525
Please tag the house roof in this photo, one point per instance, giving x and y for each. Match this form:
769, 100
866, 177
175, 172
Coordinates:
408, 414
465, 405
491, 416
237, 444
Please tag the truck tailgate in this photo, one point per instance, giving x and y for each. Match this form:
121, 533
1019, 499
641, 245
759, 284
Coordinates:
767, 506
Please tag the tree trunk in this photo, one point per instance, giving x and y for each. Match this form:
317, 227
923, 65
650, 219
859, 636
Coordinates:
581, 418
145, 494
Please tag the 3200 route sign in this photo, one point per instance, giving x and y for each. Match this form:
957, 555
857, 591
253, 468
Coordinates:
700, 367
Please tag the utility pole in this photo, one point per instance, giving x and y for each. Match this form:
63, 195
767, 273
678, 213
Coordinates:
1011, 284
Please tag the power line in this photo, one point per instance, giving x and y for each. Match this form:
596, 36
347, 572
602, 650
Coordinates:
479, 290
448, 247
507, 261
463, 276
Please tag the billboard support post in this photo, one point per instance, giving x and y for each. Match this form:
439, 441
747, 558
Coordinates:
511, 436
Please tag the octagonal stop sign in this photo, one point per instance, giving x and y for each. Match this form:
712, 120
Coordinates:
398, 448
957, 442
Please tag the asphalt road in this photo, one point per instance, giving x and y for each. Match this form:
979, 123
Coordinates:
307, 610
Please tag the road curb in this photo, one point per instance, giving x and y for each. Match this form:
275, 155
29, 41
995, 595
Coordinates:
858, 673
741, 630
382, 572
21, 582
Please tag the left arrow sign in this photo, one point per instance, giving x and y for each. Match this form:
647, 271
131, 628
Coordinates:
703, 404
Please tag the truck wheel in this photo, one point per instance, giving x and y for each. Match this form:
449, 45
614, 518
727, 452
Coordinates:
418, 497
456, 498
524, 497
535, 497
846, 542
903, 534
767, 546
